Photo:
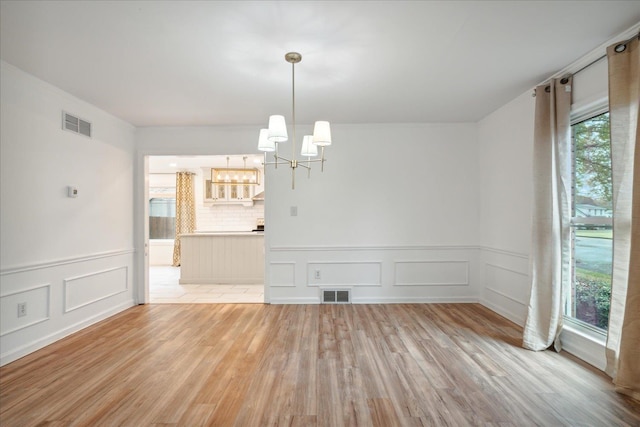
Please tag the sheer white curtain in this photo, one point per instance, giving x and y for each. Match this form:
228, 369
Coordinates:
185, 210
623, 338
550, 243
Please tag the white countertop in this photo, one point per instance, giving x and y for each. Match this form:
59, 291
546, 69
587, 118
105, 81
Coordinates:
223, 233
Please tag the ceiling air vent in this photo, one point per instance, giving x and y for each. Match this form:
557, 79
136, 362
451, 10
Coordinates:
336, 296
75, 124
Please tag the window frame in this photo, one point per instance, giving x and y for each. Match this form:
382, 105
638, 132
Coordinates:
580, 114
160, 193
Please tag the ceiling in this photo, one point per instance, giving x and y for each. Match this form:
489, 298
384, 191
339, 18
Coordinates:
184, 63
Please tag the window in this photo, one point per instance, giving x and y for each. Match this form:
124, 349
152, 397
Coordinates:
591, 234
162, 218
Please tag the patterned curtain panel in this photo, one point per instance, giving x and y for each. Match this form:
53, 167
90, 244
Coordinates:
185, 210
550, 244
623, 338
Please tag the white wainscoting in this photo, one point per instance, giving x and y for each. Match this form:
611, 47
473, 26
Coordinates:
431, 273
505, 283
506, 289
345, 273
81, 291
37, 300
62, 297
375, 274
283, 274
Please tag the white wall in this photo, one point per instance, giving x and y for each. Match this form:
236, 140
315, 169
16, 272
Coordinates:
412, 184
69, 259
505, 146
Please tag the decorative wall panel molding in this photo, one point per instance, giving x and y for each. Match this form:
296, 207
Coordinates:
64, 261
431, 273
83, 290
343, 273
517, 318
282, 274
37, 300
506, 282
504, 252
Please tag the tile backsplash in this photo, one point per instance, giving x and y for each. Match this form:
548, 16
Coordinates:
228, 217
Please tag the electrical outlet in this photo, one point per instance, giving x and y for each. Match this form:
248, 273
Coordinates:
317, 274
22, 309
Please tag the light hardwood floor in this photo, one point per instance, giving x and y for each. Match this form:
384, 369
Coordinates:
305, 365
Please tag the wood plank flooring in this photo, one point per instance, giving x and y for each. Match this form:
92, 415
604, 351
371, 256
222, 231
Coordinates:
306, 365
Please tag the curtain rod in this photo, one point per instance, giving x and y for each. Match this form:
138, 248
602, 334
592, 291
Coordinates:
589, 64
600, 58
622, 43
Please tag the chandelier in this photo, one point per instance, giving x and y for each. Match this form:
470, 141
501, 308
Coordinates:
270, 138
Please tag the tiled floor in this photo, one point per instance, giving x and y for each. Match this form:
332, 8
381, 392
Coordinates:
165, 289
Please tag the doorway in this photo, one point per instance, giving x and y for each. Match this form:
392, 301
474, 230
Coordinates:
214, 218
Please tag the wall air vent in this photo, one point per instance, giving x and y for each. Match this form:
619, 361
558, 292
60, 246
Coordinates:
336, 296
75, 124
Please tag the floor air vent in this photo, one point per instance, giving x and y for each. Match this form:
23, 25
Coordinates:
75, 124
336, 296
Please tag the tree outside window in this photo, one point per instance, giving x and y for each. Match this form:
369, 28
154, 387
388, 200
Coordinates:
592, 219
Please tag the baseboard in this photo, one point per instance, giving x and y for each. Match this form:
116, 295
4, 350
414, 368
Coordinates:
415, 300
301, 300
38, 344
518, 320
378, 300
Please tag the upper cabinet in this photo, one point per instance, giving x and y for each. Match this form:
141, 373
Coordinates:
227, 186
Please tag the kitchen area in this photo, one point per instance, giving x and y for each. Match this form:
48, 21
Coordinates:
221, 259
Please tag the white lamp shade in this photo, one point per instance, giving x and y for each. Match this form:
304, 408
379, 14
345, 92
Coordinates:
263, 141
322, 134
277, 129
309, 149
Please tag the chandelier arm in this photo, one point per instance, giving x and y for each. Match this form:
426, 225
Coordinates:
284, 159
298, 162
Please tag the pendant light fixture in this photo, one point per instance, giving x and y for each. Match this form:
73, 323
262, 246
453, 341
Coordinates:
276, 133
235, 176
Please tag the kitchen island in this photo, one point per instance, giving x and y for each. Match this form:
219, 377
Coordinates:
222, 257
